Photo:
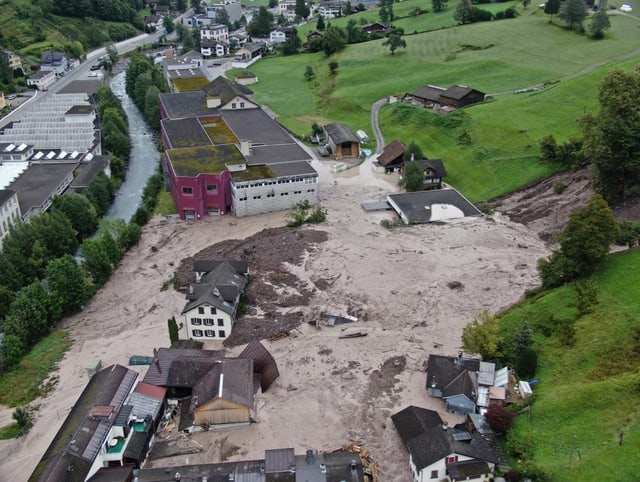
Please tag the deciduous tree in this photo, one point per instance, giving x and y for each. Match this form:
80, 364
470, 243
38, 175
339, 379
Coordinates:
302, 9
67, 283
438, 5
80, 213
573, 12
481, 336
551, 7
394, 42
499, 419
333, 41
612, 136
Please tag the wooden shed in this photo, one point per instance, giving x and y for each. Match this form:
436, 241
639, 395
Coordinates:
342, 140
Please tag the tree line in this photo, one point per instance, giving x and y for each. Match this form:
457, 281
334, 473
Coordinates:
52, 265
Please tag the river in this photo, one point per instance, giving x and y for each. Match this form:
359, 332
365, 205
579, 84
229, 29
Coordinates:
143, 160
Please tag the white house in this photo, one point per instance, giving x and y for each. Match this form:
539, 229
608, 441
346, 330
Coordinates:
42, 79
212, 304
438, 452
279, 35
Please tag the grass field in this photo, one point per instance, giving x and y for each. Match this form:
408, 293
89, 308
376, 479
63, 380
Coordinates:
493, 57
590, 392
23, 383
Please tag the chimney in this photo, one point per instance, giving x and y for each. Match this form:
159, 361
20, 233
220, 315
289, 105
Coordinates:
245, 147
310, 458
459, 359
445, 425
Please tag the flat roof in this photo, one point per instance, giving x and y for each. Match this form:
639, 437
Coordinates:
431, 206
88, 87
255, 124
192, 161
38, 182
276, 154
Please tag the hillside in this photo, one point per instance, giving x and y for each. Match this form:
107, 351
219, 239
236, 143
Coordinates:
28, 28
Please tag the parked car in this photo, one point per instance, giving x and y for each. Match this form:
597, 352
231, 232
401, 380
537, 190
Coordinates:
11, 97
93, 74
324, 151
95, 67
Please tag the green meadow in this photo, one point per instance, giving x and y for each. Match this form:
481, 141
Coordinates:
589, 391
488, 149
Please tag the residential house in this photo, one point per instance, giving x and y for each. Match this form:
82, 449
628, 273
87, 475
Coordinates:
392, 156
217, 32
233, 9
212, 304
314, 38
375, 27
277, 465
162, 11
202, 267
280, 35
342, 141
331, 9
439, 452
433, 171
184, 73
15, 61
458, 96
211, 48
200, 20
454, 379
152, 23
250, 51
111, 424
42, 79
287, 9
56, 62
9, 211
223, 153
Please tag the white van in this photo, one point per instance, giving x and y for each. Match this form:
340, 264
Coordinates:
362, 136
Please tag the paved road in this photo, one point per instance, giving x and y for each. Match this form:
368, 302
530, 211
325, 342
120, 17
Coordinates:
375, 109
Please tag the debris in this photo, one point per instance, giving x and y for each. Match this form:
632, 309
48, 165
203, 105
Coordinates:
369, 466
455, 285
332, 320
279, 335
353, 334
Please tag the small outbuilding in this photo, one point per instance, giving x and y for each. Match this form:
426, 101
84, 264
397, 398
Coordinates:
392, 155
342, 140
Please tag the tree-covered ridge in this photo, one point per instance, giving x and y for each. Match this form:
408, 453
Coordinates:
111, 10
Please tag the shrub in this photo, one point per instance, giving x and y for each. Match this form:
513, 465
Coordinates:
499, 419
559, 187
526, 363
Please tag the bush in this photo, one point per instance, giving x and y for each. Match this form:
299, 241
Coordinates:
526, 363
559, 187
499, 419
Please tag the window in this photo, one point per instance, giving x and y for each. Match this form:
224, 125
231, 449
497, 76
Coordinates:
220, 322
213, 310
208, 322
187, 191
257, 197
196, 321
201, 310
242, 105
233, 105
221, 334
452, 459
210, 333
212, 188
434, 474
197, 333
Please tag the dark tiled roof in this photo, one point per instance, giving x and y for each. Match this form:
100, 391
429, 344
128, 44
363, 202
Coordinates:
183, 133
5, 195
340, 133
158, 372
38, 182
343, 466
208, 265
230, 380
442, 370
277, 154
278, 460
263, 363
113, 474
86, 171
220, 288
458, 92
413, 204
436, 165
413, 421
391, 152
50, 57
186, 104
431, 93
467, 469
463, 384
287, 169
430, 442
187, 372
137, 446
225, 90
88, 87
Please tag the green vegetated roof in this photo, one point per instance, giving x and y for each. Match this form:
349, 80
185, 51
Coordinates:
188, 85
253, 173
192, 161
219, 132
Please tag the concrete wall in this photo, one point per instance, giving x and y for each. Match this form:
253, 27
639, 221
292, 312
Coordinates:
271, 195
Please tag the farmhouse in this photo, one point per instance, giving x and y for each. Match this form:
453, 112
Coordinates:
444, 100
211, 307
439, 452
433, 171
392, 156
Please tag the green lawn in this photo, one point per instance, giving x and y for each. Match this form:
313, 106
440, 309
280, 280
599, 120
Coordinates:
10, 431
493, 57
590, 391
23, 383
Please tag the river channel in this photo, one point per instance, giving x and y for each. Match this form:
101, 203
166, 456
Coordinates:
143, 160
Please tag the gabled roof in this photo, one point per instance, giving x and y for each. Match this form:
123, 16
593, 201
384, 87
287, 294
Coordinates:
391, 152
431, 443
279, 460
442, 370
158, 372
187, 372
208, 265
458, 92
436, 165
263, 363
232, 380
429, 92
225, 90
340, 133
464, 384
220, 288
50, 57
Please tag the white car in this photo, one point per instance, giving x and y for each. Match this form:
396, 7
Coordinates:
93, 74
626, 8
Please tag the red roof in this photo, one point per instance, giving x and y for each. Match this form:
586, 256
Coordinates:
151, 390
